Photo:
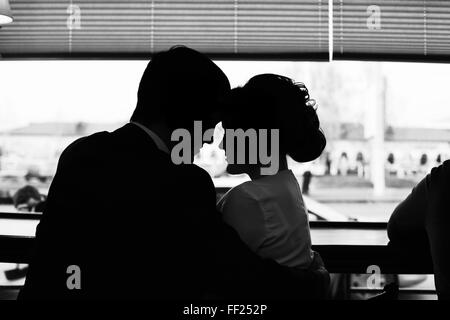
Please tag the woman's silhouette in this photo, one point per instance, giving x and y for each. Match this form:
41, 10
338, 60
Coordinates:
268, 212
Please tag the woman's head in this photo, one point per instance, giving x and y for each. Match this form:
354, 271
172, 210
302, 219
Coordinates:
270, 101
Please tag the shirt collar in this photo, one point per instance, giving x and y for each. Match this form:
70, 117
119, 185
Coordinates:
156, 139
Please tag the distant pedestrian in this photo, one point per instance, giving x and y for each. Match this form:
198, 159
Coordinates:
343, 164
360, 164
438, 159
424, 159
307, 176
390, 164
327, 164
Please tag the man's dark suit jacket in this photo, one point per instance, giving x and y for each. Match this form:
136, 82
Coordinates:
139, 226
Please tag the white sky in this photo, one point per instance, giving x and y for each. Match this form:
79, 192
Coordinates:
105, 91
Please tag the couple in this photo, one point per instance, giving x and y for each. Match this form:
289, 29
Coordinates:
141, 227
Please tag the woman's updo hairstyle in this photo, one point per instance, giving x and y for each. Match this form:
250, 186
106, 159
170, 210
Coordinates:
270, 101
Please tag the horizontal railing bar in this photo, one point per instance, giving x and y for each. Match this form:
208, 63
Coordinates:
337, 258
20, 215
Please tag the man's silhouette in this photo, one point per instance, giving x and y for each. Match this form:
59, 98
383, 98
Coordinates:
134, 223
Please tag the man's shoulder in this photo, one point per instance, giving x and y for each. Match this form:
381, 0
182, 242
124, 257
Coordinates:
446, 166
87, 144
441, 172
192, 170
194, 178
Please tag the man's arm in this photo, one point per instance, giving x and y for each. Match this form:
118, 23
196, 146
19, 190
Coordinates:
46, 277
407, 222
437, 224
423, 220
243, 274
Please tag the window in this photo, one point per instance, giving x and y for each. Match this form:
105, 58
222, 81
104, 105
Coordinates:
45, 105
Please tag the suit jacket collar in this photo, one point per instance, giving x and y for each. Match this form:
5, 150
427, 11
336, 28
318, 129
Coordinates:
156, 139
134, 136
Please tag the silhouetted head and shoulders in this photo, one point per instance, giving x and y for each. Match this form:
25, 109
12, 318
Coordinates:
117, 197
179, 86
268, 212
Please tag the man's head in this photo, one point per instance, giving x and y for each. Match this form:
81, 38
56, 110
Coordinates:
25, 199
179, 86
